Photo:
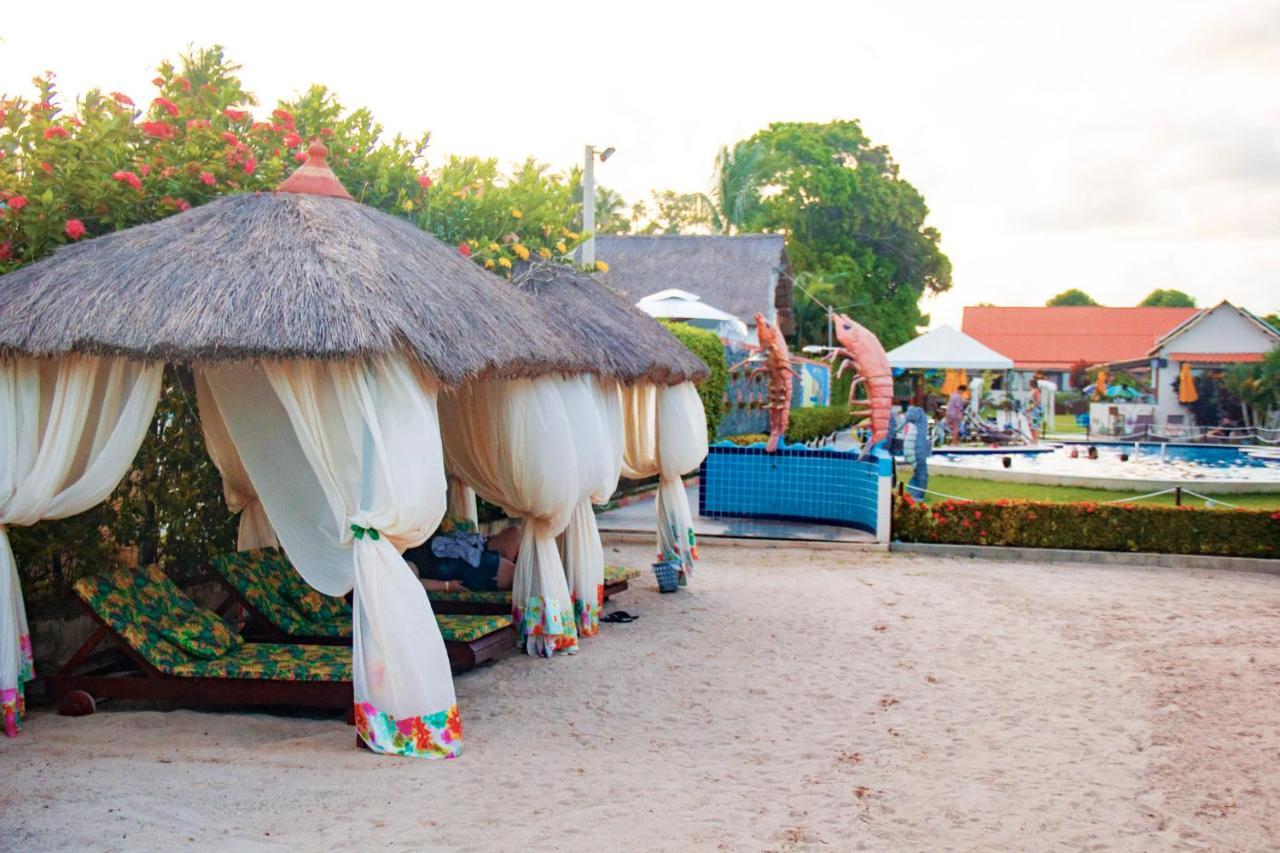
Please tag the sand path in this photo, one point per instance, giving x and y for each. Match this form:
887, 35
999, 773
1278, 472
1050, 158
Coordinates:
787, 700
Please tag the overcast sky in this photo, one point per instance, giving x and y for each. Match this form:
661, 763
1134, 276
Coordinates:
1114, 147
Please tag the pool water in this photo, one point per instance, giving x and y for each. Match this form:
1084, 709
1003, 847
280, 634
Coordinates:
1145, 462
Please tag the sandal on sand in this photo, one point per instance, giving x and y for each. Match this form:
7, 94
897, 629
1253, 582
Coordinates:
619, 616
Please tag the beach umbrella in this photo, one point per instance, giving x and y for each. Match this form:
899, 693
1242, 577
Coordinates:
953, 380
1186, 385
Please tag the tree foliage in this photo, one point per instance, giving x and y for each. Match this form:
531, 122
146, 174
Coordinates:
848, 216
1167, 298
1071, 297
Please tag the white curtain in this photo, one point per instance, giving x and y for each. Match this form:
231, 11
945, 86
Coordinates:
462, 500
511, 441
666, 435
346, 460
237, 490
69, 429
595, 417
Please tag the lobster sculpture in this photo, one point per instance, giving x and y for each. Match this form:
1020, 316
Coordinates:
774, 359
861, 349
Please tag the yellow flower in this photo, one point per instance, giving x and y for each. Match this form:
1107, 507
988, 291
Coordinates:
544, 253
504, 263
493, 247
602, 266
488, 264
561, 247
517, 214
522, 252
408, 205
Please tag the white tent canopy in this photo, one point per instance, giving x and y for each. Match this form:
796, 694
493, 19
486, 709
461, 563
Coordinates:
948, 347
675, 304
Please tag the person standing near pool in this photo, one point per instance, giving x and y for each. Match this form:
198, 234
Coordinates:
1036, 413
955, 412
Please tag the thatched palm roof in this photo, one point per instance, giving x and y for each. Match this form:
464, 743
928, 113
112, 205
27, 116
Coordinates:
741, 274
598, 322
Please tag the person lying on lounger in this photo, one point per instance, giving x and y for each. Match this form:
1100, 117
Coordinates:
458, 559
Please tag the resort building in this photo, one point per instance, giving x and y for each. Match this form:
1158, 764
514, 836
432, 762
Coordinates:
742, 275
1052, 340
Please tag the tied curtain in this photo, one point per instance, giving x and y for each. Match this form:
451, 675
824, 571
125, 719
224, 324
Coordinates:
666, 435
462, 501
511, 441
69, 429
255, 529
595, 418
345, 458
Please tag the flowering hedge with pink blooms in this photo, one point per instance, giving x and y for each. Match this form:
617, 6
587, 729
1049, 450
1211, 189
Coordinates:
1089, 526
113, 162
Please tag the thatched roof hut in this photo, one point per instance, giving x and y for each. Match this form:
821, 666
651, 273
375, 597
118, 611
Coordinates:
304, 272
742, 274
596, 320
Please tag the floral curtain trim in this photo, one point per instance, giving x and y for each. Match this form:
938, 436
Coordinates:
684, 555
436, 735
13, 707
546, 627
586, 614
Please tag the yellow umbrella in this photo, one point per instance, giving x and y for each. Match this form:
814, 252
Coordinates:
954, 379
1186, 385
1100, 384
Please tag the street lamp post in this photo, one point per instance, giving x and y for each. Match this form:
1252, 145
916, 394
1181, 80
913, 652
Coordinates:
589, 201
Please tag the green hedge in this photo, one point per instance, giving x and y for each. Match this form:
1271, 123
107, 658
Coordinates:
708, 347
1090, 526
805, 425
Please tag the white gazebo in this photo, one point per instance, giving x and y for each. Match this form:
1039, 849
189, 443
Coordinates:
947, 347
682, 305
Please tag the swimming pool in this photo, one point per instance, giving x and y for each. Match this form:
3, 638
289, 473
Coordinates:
1147, 466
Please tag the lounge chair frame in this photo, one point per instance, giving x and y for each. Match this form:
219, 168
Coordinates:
134, 677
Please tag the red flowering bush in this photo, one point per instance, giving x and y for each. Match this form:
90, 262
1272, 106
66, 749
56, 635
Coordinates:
1090, 527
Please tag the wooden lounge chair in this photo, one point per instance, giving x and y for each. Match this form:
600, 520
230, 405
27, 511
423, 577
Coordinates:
480, 601
166, 647
280, 607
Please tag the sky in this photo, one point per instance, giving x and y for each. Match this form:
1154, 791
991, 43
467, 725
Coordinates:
1114, 147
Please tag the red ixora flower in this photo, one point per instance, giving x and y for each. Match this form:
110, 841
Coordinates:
464, 250
235, 115
198, 124
158, 81
292, 140
424, 181
74, 229
230, 138
300, 156
208, 178
55, 132
283, 116
167, 105
159, 129
122, 99
250, 165
17, 202
47, 168
185, 84
6, 250
128, 178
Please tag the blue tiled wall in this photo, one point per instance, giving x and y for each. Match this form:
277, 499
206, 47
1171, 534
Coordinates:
796, 483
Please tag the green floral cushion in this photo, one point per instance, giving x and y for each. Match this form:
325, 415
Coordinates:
618, 574
480, 596
459, 628
270, 583
275, 662
142, 605
202, 634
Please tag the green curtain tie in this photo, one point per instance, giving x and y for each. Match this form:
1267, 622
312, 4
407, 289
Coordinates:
361, 531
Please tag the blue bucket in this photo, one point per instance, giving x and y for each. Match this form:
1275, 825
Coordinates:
668, 574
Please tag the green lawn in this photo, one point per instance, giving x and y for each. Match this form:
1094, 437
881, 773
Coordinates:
1066, 425
990, 490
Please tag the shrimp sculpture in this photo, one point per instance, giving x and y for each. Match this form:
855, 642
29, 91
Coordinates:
774, 359
861, 349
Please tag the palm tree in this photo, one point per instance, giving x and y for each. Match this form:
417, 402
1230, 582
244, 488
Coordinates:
735, 195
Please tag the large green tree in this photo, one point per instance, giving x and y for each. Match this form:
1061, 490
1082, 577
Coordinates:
1167, 298
848, 215
1071, 297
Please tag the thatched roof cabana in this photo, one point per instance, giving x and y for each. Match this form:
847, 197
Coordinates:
596, 321
742, 274
290, 274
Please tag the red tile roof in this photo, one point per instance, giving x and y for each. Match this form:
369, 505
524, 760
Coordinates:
1215, 357
1056, 338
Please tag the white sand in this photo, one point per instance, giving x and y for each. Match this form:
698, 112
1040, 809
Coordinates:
787, 700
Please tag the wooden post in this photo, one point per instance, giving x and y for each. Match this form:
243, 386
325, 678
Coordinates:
1177, 495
